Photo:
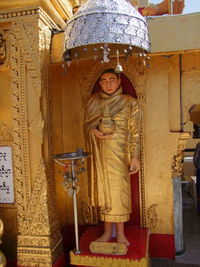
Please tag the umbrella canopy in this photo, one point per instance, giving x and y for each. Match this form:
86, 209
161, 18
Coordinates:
104, 25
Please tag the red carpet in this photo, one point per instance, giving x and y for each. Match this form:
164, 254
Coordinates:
138, 238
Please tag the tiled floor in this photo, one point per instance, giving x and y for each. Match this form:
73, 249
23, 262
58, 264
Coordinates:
191, 233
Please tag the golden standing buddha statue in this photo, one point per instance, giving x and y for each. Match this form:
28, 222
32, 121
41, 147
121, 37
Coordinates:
112, 135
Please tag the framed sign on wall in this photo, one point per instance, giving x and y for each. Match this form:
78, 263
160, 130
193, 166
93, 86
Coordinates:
6, 175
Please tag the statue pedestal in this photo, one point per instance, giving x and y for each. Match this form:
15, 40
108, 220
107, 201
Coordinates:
137, 254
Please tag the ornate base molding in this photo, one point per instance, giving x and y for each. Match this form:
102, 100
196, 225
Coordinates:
44, 255
98, 262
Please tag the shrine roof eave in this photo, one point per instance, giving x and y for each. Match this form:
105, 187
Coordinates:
59, 10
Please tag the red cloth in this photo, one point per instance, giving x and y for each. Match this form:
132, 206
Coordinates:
162, 246
138, 238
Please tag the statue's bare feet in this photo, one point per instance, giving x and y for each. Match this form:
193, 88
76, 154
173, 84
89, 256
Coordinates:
123, 239
105, 237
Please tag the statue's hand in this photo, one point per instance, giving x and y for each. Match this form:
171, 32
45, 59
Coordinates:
100, 135
134, 166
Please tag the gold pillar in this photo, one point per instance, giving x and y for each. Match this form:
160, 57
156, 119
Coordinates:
27, 36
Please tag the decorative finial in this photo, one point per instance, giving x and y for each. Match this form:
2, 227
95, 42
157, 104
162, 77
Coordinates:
118, 68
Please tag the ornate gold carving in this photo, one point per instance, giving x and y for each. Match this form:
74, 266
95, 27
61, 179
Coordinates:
44, 46
48, 21
5, 132
2, 256
35, 127
58, 10
4, 50
102, 261
136, 73
112, 248
177, 165
11, 14
31, 223
39, 239
177, 161
7, 16
152, 216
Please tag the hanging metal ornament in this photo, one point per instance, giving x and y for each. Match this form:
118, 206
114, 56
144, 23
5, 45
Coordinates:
108, 24
118, 68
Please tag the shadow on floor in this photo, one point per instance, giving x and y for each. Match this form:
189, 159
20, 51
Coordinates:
170, 263
191, 236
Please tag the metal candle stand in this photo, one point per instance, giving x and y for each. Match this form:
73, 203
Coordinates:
72, 163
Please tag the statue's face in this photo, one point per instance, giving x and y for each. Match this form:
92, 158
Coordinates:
109, 83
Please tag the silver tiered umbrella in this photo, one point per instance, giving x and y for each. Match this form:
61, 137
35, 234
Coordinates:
101, 27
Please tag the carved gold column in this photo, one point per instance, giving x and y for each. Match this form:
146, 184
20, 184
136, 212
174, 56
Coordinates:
7, 211
28, 40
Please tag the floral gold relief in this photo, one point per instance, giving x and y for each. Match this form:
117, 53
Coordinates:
152, 216
102, 261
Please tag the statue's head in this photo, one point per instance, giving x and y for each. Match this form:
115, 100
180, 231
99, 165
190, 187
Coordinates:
110, 81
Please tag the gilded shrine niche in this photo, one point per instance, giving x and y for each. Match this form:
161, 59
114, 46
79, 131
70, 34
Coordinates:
134, 70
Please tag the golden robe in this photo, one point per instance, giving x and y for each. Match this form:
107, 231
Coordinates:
109, 178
